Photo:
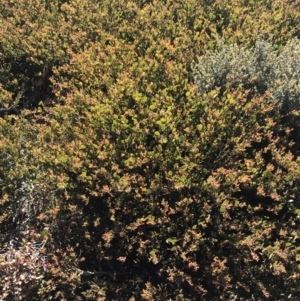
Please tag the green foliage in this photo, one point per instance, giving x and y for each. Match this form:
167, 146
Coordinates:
119, 180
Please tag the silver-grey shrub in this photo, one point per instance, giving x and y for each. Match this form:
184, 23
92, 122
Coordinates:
260, 68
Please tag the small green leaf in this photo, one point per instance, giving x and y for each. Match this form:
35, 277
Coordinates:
153, 252
222, 209
63, 159
199, 127
172, 240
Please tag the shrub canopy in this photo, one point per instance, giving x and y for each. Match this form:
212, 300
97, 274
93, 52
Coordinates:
120, 178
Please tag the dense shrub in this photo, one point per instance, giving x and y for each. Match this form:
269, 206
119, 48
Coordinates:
260, 69
119, 181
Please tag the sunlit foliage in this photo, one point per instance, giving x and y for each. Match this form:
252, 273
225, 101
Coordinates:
119, 179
